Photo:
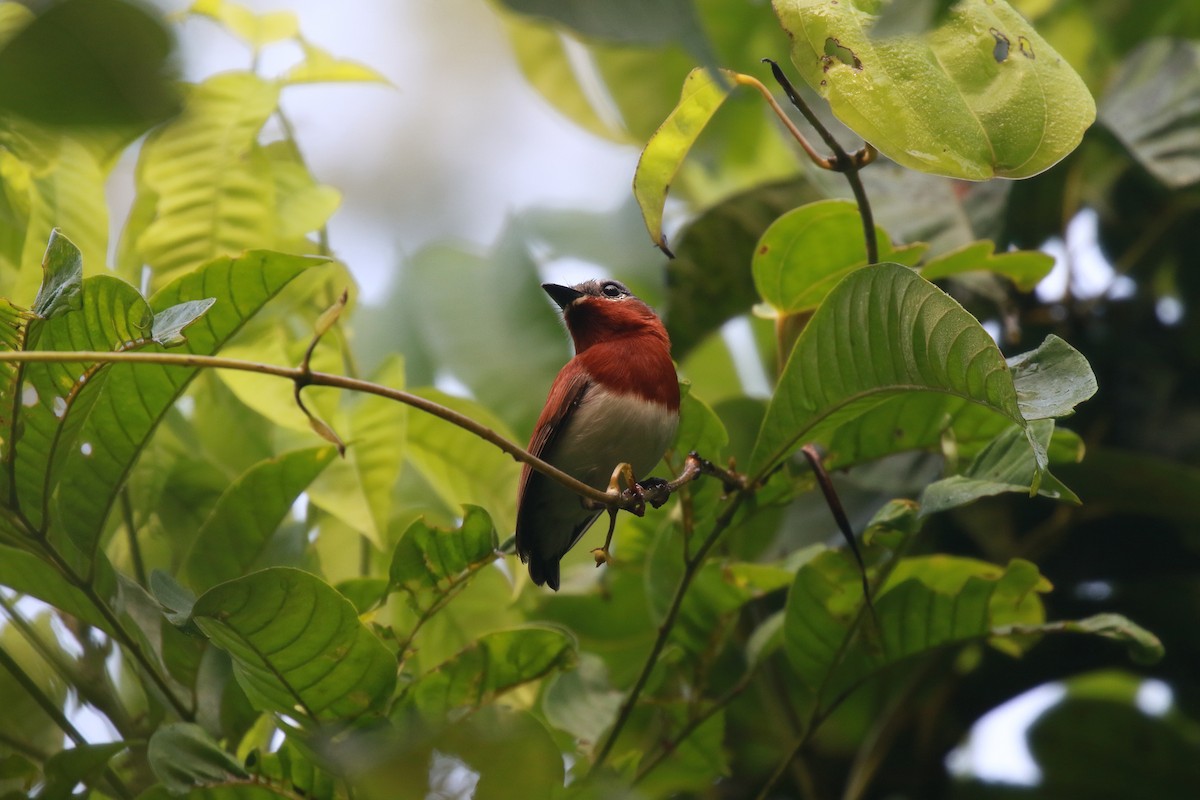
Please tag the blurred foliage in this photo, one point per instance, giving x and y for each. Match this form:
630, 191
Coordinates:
181, 554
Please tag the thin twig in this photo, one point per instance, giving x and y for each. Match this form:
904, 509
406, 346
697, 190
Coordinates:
843, 162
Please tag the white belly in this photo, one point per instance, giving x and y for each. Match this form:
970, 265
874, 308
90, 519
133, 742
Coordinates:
608, 429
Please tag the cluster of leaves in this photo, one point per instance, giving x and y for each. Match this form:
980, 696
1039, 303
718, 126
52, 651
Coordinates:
256, 617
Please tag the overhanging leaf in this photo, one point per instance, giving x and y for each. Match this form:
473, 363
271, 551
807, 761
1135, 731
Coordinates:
703, 93
980, 96
254, 29
887, 363
248, 513
297, 645
1142, 645
90, 62
809, 249
1153, 108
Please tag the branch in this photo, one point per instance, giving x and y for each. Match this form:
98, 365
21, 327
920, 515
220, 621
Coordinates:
843, 162
303, 378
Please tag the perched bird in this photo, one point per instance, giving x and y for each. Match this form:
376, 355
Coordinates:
616, 402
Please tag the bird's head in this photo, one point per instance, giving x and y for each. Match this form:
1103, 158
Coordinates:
603, 310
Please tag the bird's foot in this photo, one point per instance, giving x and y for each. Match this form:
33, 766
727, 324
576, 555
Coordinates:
602, 556
651, 486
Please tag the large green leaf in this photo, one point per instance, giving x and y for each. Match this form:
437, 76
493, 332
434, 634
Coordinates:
980, 96
212, 184
129, 400
26, 573
888, 363
184, 756
496, 663
809, 249
236, 533
297, 645
1153, 107
83, 763
90, 62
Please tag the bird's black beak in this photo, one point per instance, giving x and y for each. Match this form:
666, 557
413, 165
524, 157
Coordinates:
562, 295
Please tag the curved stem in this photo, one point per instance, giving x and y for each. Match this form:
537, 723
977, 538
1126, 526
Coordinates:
307, 378
843, 162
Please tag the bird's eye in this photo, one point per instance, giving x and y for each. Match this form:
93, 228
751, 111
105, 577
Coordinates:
611, 290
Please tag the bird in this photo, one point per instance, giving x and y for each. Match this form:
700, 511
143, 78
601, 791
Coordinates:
614, 404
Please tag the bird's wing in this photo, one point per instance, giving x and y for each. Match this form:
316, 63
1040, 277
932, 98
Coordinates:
566, 394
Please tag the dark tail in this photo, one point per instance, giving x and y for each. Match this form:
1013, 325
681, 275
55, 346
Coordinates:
544, 571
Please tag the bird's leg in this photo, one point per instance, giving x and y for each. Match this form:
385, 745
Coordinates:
623, 470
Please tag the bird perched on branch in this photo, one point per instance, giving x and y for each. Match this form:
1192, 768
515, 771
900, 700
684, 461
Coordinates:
615, 404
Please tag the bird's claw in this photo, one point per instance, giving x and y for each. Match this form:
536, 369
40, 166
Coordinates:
650, 485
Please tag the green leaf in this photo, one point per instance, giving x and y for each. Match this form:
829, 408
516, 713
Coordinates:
981, 96
1051, 380
135, 397
62, 278
927, 603
1143, 646
235, 535
57, 398
80, 764
254, 29
212, 184
1006, 464
183, 757
1025, 268
434, 558
298, 647
581, 701
26, 573
809, 249
663, 155
708, 282
495, 663
1153, 107
176, 599
622, 21
168, 325
90, 62
320, 66
887, 363
459, 467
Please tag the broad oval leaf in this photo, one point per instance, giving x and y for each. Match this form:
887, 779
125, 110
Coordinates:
980, 96
703, 93
433, 558
297, 645
887, 363
183, 756
239, 527
809, 249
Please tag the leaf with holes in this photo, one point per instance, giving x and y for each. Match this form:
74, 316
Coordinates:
980, 96
237, 531
888, 363
298, 647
